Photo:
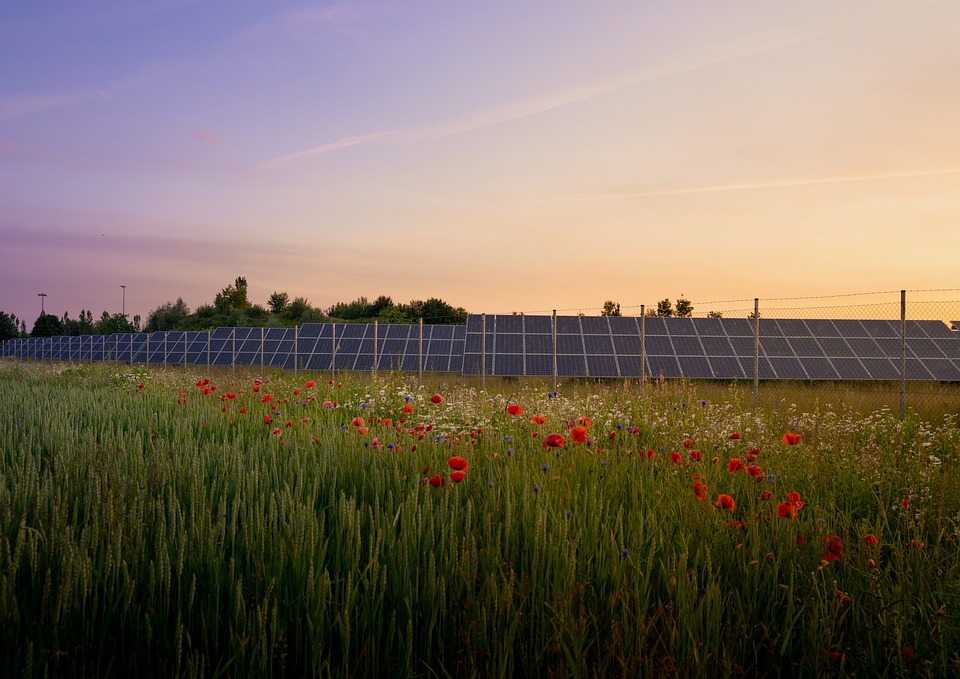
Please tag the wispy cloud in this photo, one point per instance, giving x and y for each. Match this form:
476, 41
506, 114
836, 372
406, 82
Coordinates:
16, 106
749, 186
705, 57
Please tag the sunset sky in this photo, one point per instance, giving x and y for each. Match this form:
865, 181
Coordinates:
504, 156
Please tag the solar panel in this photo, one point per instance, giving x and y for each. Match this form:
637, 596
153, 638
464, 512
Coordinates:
597, 344
685, 345
540, 365
665, 366
695, 367
602, 366
805, 346
793, 327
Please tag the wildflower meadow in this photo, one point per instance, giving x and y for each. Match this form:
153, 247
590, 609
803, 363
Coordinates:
166, 523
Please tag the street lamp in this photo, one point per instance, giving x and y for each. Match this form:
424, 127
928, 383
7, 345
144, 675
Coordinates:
41, 295
123, 301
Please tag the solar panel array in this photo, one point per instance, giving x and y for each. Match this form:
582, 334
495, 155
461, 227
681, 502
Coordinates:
713, 348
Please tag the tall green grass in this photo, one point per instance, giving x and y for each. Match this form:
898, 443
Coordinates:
140, 535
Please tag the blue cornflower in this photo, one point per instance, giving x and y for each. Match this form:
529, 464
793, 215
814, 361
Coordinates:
624, 553
508, 438
536, 489
772, 478
544, 468
390, 446
509, 451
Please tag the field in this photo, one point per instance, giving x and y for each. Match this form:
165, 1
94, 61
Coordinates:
166, 523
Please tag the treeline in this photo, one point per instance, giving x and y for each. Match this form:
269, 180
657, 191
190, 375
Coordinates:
232, 308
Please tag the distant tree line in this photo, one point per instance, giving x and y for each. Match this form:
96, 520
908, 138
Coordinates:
232, 308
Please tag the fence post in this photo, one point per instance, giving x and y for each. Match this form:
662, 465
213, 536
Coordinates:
554, 330
131, 350
643, 348
208, 351
376, 331
233, 351
756, 352
420, 356
903, 354
296, 339
333, 352
263, 340
483, 350
165, 335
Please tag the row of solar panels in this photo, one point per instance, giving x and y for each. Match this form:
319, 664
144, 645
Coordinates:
717, 348
309, 347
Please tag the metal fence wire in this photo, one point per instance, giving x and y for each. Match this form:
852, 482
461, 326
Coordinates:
874, 351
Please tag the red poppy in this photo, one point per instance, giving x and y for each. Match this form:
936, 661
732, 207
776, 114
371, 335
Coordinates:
586, 421
700, 490
514, 409
457, 476
735, 465
407, 408
870, 539
788, 508
905, 502
651, 453
554, 441
791, 439
734, 436
579, 434
458, 463
676, 458
688, 443
243, 410
696, 455
725, 502
871, 563
765, 495
436, 398
436, 480
296, 392
310, 384
538, 419
834, 547
267, 419
267, 398
356, 422
755, 471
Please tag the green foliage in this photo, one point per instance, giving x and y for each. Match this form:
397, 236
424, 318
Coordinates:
142, 536
278, 302
9, 326
664, 307
684, 308
108, 325
714, 314
610, 308
168, 316
47, 325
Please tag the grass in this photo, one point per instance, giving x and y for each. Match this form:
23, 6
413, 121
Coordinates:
164, 534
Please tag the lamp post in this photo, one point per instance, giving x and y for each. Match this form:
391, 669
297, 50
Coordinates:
123, 301
41, 295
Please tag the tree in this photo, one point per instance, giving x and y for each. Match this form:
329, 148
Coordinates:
278, 302
232, 297
8, 326
664, 308
610, 308
437, 312
109, 325
684, 307
714, 314
167, 316
47, 325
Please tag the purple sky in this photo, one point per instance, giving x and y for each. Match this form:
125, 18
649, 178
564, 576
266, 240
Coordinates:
503, 156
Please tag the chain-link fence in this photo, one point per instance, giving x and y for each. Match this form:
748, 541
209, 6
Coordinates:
894, 350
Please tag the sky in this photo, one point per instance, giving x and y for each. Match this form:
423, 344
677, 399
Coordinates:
503, 156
